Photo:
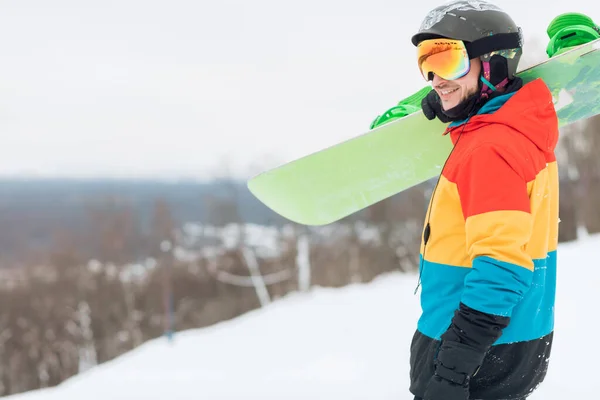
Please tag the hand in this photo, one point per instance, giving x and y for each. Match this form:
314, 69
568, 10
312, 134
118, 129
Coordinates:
441, 389
432, 107
455, 365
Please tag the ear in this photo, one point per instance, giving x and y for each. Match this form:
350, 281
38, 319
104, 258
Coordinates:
498, 69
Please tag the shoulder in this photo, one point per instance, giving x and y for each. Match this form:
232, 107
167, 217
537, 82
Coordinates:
496, 148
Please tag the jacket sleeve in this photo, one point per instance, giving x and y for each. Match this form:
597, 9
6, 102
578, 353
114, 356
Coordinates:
495, 203
499, 224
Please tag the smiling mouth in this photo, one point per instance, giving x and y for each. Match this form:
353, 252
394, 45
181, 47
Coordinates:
448, 91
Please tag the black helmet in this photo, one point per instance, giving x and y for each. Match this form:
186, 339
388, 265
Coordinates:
489, 30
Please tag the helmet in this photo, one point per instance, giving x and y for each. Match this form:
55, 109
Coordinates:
470, 20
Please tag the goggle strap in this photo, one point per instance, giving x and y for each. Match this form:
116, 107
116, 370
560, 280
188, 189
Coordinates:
488, 84
500, 41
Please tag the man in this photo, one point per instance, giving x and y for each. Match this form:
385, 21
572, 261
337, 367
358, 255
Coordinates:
488, 254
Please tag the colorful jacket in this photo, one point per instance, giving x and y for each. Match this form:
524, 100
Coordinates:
489, 246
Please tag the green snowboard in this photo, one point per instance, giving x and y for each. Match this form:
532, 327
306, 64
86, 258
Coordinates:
333, 183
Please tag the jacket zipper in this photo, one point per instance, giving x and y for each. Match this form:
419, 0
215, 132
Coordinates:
426, 234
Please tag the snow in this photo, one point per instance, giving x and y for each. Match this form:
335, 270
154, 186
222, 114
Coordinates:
348, 343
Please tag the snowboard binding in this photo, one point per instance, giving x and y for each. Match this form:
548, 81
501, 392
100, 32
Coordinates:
569, 30
404, 107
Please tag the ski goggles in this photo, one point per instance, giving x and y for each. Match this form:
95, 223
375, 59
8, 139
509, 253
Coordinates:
451, 58
446, 58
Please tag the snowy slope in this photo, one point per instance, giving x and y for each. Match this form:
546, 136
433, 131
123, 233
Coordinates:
346, 344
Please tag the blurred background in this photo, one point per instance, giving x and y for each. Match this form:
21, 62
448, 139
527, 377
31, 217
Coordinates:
129, 130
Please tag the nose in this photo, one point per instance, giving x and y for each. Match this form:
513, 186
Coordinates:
436, 81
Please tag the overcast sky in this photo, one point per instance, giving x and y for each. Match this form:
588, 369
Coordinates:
197, 88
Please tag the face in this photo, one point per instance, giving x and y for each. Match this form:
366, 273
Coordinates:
452, 93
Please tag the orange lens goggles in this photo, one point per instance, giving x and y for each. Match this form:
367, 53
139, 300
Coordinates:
446, 58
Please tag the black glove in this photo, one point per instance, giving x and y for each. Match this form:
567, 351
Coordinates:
461, 353
455, 365
432, 107
441, 389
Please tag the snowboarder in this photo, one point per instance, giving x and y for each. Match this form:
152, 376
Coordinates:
488, 252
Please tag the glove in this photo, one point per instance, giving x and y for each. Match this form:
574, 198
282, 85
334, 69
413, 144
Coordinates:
441, 389
455, 365
432, 107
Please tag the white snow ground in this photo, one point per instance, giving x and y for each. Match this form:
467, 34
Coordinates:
346, 344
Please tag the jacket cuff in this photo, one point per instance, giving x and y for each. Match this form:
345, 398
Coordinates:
475, 328
466, 342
